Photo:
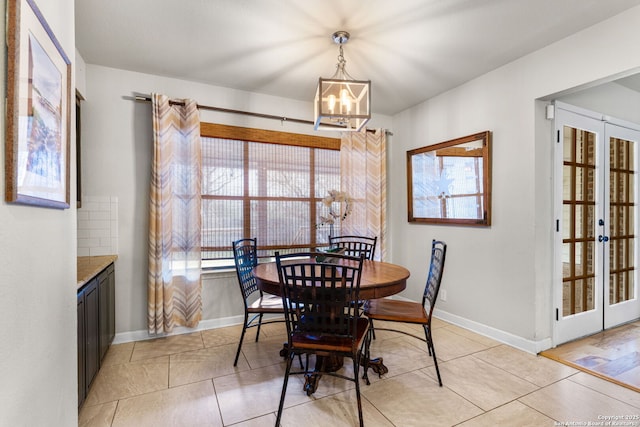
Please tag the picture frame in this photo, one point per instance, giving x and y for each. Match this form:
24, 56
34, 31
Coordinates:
37, 145
450, 182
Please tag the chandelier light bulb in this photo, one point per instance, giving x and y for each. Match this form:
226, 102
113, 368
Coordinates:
346, 105
331, 103
344, 99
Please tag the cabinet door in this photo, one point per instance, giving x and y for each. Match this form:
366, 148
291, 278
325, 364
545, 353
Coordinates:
82, 386
111, 307
106, 286
92, 310
103, 289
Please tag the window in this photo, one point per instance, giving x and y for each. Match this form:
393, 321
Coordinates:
263, 184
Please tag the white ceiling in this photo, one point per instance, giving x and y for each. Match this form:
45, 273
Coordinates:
411, 50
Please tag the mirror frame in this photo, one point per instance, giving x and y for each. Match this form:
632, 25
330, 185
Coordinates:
485, 154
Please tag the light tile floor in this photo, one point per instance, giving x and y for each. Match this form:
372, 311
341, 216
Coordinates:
189, 380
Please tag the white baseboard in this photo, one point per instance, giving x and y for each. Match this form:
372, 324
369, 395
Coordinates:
523, 344
124, 337
533, 347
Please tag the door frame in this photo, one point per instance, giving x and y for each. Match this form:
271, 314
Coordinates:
563, 328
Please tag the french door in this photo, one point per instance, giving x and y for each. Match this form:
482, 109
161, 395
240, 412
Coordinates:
596, 193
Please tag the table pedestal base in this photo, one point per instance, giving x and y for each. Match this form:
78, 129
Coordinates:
332, 364
285, 350
377, 366
323, 364
311, 382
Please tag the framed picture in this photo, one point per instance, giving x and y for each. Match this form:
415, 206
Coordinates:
38, 110
450, 182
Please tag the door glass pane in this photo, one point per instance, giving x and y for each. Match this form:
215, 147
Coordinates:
579, 193
590, 225
567, 221
577, 143
568, 149
567, 297
589, 284
583, 299
579, 260
621, 219
590, 264
588, 140
579, 184
590, 184
567, 183
613, 221
579, 234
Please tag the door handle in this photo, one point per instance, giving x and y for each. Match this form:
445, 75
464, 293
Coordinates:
602, 238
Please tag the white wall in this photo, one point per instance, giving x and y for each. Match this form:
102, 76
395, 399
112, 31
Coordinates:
38, 369
116, 161
80, 66
498, 279
611, 99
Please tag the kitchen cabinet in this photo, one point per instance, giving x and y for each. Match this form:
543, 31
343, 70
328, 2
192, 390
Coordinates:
82, 390
107, 321
96, 326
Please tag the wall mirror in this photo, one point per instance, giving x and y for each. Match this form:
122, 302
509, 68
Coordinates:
450, 182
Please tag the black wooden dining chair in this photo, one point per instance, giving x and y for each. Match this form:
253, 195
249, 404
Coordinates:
256, 304
355, 245
413, 312
321, 318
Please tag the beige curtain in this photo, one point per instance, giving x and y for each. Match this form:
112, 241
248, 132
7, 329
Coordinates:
363, 175
174, 288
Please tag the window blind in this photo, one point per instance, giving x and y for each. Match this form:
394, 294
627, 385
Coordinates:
269, 190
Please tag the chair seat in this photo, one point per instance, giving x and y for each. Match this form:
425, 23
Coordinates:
267, 304
396, 311
318, 342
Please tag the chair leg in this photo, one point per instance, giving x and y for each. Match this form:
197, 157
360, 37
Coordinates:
284, 388
244, 330
259, 325
426, 335
432, 351
356, 374
366, 356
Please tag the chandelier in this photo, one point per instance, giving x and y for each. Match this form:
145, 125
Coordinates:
342, 103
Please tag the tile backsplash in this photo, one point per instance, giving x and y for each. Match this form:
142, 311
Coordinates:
98, 226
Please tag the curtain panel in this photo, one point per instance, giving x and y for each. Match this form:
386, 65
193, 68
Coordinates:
174, 283
363, 175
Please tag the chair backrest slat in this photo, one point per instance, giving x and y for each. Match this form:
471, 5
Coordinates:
355, 245
319, 296
246, 258
436, 268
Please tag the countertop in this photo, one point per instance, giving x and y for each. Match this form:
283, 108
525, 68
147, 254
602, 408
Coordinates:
90, 266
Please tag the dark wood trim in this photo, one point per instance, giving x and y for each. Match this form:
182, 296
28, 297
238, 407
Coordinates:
213, 130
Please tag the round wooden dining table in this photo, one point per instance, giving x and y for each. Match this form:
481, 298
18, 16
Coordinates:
377, 280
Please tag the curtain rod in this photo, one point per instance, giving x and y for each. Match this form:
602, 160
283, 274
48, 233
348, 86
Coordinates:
147, 98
